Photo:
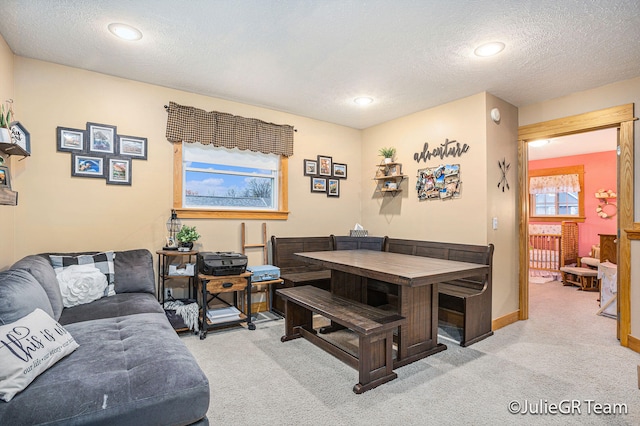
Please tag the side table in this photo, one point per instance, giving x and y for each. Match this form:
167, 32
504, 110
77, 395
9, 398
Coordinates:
213, 286
165, 258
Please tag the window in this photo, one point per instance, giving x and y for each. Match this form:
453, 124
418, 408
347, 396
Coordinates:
556, 194
231, 183
556, 204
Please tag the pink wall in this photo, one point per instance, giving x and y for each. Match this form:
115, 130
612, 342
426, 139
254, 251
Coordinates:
600, 172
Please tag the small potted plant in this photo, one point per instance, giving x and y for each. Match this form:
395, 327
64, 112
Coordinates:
186, 237
388, 154
5, 120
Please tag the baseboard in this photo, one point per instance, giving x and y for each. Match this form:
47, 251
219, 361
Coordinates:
633, 343
505, 320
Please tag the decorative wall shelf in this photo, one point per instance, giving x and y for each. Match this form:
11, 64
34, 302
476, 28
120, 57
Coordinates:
8, 197
606, 208
13, 149
389, 177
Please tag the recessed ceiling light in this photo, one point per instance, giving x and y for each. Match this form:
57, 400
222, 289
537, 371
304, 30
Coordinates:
489, 49
363, 100
125, 32
539, 143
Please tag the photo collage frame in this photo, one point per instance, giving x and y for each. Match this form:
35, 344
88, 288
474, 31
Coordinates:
439, 183
325, 175
100, 152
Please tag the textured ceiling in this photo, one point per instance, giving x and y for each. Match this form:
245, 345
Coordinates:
312, 58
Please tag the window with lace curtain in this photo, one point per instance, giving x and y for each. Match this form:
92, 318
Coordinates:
556, 194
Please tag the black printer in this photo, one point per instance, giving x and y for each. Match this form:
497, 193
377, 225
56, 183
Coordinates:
221, 263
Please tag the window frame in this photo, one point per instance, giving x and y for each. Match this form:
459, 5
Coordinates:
568, 170
282, 212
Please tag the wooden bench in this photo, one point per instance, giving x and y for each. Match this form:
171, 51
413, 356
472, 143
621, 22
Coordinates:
295, 272
464, 302
585, 278
373, 326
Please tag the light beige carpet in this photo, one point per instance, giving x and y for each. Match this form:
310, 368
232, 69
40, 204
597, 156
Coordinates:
564, 352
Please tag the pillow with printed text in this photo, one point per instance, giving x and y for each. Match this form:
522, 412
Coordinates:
28, 347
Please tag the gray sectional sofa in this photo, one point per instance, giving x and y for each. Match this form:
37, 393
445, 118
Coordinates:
130, 367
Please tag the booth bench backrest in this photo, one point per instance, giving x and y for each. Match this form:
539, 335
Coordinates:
283, 249
343, 242
482, 255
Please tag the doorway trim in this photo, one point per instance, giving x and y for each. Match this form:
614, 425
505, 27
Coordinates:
620, 117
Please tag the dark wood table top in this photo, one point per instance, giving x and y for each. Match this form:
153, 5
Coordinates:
395, 268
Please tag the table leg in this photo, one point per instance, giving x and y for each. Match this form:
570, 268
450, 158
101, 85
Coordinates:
418, 338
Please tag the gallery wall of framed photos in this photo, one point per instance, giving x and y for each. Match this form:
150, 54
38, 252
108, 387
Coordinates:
325, 175
100, 152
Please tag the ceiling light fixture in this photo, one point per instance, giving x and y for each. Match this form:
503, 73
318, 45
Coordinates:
539, 143
363, 100
489, 49
125, 32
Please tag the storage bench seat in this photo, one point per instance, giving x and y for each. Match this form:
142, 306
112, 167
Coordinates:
293, 271
466, 301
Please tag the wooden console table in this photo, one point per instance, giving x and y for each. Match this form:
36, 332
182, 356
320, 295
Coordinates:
417, 279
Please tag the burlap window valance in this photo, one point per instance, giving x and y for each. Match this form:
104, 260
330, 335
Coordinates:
189, 124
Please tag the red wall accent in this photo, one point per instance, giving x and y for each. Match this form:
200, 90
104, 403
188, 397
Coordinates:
600, 172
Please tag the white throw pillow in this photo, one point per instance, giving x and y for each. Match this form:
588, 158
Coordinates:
103, 261
28, 347
81, 284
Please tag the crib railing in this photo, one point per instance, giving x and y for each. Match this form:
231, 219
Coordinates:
544, 252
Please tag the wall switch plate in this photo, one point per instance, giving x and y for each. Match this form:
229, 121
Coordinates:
494, 223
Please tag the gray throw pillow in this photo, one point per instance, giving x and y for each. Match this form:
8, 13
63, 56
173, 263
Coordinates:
42, 271
134, 272
20, 294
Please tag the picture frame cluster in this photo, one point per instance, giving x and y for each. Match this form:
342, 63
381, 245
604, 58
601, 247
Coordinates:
100, 152
325, 175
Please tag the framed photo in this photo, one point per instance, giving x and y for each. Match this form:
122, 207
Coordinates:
70, 140
324, 165
310, 167
395, 170
119, 171
132, 146
102, 138
318, 184
339, 170
5, 179
87, 165
20, 136
333, 189
171, 242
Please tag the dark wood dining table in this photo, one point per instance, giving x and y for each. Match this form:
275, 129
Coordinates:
416, 278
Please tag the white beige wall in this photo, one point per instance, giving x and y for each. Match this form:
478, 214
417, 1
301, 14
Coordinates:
7, 213
58, 212
403, 216
465, 220
619, 93
502, 144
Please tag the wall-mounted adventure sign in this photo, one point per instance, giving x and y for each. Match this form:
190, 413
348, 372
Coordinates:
446, 149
